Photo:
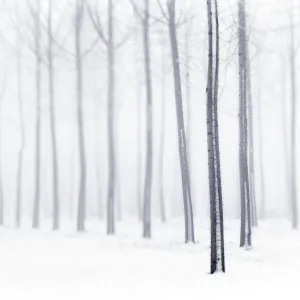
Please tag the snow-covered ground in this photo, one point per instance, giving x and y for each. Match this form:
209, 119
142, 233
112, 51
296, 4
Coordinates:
40, 265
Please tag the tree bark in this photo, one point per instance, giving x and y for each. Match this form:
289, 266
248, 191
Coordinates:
215, 188
245, 238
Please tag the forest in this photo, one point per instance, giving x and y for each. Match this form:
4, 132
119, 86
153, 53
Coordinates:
147, 144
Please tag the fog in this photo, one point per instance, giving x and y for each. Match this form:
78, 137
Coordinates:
269, 30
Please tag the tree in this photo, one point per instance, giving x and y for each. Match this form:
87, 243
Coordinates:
293, 176
81, 140
145, 19
111, 46
22, 133
36, 15
170, 18
251, 143
162, 136
245, 238
56, 211
215, 187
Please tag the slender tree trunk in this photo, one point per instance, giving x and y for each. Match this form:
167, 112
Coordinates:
138, 133
37, 200
216, 204
245, 238
188, 99
162, 137
188, 210
148, 175
251, 145
22, 136
56, 211
81, 140
293, 177
111, 119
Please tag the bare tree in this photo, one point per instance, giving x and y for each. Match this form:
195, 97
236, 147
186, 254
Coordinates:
162, 136
215, 187
56, 211
170, 19
81, 140
251, 143
36, 14
245, 238
22, 133
293, 176
145, 19
111, 46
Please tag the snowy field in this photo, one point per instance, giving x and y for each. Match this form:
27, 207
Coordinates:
40, 265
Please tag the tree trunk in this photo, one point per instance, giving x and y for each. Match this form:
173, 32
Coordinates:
162, 138
293, 177
138, 133
245, 238
56, 210
148, 174
37, 200
110, 125
81, 143
215, 188
187, 201
251, 145
22, 136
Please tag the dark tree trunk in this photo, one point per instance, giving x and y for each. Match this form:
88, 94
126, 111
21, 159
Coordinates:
215, 187
185, 177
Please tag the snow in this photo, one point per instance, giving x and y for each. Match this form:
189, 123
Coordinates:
41, 265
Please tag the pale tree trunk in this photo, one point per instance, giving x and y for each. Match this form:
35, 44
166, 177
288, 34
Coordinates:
139, 131
188, 99
251, 144
293, 176
215, 187
185, 176
111, 128
245, 238
162, 136
56, 210
37, 196
149, 142
81, 143
22, 136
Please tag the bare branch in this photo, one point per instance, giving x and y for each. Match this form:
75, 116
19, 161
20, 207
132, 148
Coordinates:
96, 21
